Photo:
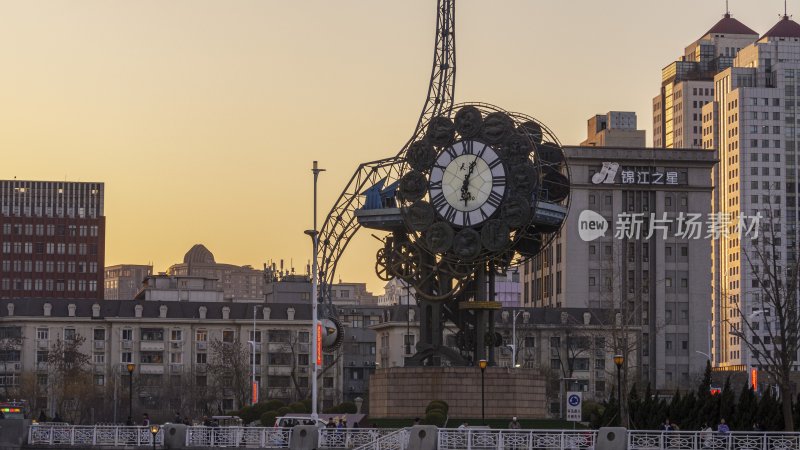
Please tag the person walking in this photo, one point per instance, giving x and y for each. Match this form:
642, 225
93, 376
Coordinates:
145, 420
723, 427
514, 424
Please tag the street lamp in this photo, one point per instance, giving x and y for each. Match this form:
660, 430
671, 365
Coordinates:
314, 234
154, 430
619, 360
514, 340
131, 367
482, 364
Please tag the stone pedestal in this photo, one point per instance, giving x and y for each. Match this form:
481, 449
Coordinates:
404, 392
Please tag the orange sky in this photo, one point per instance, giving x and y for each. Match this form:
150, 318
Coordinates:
203, 117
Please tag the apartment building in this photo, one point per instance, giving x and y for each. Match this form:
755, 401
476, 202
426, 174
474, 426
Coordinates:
123, 281
175, 350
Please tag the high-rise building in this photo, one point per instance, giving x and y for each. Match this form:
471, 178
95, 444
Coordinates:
605, 257
752, 125
52, 239
688, 84
123, 281
614, 129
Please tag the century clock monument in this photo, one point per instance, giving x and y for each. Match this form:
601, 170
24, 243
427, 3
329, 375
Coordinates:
475, 190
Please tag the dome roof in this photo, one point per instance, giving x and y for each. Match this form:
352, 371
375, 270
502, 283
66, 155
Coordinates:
199, 254
785, 28
729, 25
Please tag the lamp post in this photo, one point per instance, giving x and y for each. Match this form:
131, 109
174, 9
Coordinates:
314, 234
131, 367
514, 339
154, 431
253, 390
619, 360
482, 364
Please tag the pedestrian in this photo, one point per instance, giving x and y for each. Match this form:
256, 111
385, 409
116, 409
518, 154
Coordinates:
129, 422
331, 424
723, 427
514, 424
145, 420
42, 417
666, 426
417, 421
344, 422
355, 424
178, 418
463, 426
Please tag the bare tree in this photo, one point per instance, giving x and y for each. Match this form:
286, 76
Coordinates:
229, 370
774, 293
70, 377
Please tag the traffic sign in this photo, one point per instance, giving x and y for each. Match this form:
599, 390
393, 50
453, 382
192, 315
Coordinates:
574, 404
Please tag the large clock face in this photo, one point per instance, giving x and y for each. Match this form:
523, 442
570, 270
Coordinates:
467, 183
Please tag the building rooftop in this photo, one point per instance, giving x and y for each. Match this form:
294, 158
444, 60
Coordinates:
126, 309
786, 27
199, 254
729, 25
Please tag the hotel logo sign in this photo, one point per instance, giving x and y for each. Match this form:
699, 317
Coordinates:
611, 173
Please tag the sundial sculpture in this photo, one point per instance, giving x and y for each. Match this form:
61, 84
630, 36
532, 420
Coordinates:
475, 190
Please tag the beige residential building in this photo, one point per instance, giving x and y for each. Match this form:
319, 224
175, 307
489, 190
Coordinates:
613, 129
175, 347
123, 281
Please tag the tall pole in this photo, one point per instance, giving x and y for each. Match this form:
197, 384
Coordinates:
514, 339
619, 394
253, 389
482, 364
314, 288
131, 367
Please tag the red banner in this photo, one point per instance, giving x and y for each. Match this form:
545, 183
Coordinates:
319, 343
255, 392
754, 379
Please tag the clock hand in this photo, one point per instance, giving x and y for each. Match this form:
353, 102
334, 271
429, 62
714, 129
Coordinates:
465, 194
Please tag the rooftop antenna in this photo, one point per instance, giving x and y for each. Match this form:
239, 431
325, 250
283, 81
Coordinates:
727, 9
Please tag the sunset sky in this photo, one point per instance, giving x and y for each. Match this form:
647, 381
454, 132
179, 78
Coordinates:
203, 117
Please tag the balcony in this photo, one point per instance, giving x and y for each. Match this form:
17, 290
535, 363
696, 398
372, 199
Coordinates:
99, 345
202, 345
127, 345
151, 346
155, 369
43, 344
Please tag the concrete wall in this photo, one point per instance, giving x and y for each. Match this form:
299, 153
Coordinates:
403, 392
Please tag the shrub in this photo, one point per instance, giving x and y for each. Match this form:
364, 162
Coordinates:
435, 417
268, 418
273, 405
438, 404
283, 411
298, 407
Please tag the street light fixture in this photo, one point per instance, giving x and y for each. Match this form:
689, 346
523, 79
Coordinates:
154, 430
131, 367
314, 234
619, 360
482, 364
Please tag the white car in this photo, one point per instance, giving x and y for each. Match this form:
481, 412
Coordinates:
293, 420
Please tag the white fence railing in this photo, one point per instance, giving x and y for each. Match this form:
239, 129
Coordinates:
482, 439
394, 440
690, 440
350, 437
250, 437
117, 436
